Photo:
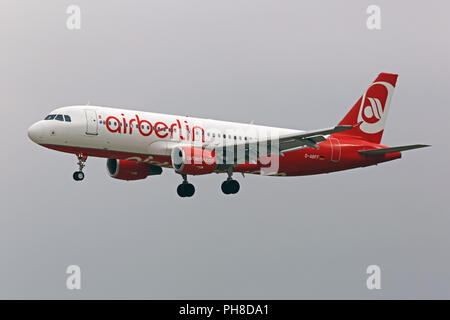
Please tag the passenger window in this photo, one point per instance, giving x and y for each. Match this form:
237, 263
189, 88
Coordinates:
67, 118
59, 117
50, 117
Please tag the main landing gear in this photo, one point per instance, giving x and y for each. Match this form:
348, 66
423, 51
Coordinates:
185, 189
79, 175
230, 186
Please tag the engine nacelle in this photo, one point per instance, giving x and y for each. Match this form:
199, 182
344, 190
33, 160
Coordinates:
194, 161
131, 170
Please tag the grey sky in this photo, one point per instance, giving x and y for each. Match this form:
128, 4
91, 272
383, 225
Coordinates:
295, 64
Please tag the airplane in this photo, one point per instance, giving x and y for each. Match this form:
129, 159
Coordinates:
140, 144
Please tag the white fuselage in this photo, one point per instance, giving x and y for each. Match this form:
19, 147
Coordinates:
138, 132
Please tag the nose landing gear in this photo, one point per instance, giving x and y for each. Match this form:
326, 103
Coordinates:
185, 189
79, 175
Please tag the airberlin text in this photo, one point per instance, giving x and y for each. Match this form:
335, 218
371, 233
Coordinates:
160, 128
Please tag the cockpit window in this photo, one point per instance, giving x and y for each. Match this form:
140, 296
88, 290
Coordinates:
59, 117
67, 118
50, 117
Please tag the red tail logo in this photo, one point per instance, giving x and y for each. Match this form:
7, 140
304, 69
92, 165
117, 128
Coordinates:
374, 107
371, 110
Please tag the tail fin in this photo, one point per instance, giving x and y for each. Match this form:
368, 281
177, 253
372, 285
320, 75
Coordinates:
370, 111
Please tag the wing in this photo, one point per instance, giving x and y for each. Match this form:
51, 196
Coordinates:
249, 152
295, 141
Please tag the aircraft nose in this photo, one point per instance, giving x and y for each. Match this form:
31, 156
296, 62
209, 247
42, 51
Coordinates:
36, 132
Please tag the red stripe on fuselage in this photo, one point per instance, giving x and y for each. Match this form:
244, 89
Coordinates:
101, 153
305, 161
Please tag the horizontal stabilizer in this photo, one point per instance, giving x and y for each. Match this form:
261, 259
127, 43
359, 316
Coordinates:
392, 149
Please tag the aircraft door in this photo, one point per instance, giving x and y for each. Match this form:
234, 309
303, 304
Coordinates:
91, 122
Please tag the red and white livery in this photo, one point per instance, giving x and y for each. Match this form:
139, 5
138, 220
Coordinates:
139, 144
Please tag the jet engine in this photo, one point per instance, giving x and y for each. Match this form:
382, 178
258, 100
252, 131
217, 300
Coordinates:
193, 161
131, 170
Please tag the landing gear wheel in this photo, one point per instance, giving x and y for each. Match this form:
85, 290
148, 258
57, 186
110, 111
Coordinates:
225, 187
234, 186
180, 190
186, 190
189, 190
78, 175
230, 186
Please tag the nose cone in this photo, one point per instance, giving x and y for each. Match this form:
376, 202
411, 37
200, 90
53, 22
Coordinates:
36, 132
